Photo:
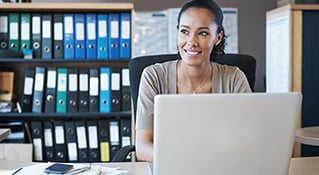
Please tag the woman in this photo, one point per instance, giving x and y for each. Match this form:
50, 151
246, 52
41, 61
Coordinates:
201, 38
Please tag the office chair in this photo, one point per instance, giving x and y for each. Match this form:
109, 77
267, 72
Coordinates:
245, 63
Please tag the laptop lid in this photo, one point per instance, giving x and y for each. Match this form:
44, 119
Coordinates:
243, 134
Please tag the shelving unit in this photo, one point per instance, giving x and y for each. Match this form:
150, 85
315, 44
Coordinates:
292, 60
18, 65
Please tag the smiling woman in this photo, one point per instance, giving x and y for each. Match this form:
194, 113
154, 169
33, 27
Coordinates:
201, 38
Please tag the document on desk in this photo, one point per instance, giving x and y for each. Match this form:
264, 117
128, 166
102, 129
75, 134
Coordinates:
39, 169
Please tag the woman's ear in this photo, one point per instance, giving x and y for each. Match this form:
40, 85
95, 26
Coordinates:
219, 37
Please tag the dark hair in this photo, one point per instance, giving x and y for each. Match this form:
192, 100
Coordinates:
218, 17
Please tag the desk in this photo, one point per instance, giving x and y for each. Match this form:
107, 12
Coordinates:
134, 168
299, 166
4, 133
304, 166
308, 136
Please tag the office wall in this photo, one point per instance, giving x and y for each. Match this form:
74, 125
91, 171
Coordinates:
251, 21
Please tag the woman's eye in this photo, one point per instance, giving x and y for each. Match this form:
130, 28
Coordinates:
184, 31
203, 33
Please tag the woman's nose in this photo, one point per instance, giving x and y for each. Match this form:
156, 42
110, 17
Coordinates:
192, 41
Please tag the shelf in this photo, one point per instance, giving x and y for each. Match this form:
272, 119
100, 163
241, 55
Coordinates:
71, 126
12, 62
63, 7
63, 116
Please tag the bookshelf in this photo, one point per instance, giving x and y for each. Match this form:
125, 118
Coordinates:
292, 60
116, 123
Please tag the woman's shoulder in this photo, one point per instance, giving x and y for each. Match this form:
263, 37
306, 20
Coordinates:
223, 68
164, 67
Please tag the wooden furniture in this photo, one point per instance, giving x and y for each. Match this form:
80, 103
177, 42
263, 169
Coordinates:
19, 65
304, 166
292, 60
298, 166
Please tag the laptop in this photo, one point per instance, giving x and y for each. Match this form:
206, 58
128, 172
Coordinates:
225, 134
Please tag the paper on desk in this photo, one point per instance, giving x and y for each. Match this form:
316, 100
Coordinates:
38, 169
113, 171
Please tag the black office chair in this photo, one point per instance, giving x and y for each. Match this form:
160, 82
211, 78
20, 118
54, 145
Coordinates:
244, 62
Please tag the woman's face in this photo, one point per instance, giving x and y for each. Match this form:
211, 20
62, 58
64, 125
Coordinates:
197, 36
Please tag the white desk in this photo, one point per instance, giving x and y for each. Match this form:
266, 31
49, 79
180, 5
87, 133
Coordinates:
134, 168
4, 133
299, 166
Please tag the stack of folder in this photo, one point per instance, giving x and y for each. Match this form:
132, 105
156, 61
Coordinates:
72, 90
79, 141
75, 36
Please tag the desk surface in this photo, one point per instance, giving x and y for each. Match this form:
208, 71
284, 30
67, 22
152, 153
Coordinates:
299, 166
4, 133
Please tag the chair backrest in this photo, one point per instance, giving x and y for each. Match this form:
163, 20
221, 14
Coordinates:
246, 63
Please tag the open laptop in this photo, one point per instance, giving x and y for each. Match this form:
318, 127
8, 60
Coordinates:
225, 134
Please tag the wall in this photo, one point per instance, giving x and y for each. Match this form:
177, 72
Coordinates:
251, 21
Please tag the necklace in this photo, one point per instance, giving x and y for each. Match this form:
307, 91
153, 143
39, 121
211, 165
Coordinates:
199, 87
202, 82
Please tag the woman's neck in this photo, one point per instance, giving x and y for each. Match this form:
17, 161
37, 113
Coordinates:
192, 79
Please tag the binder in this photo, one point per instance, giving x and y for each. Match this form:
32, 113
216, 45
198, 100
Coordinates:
83, 90
81, 136
39, 79
113, 23
60, 147
4, 35
102, 37
103, 126
50, 91
91, 49
58, 36
25, 30
94, 90
93, 141
46, 36
105, 89
36, 35
71, 143
68, 32
61, 95
79, 20
27, 96
37, 140
125, 132
125, 87
125, 36
116, 89
114, 137
72, 93
14, 35
49, 153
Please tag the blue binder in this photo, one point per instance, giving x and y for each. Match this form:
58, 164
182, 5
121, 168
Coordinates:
91, 47
102, 37
79, 27
105, 89
114, 52
68, 31
125, 36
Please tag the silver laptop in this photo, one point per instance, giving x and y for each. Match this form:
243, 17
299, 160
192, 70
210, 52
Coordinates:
225, 134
